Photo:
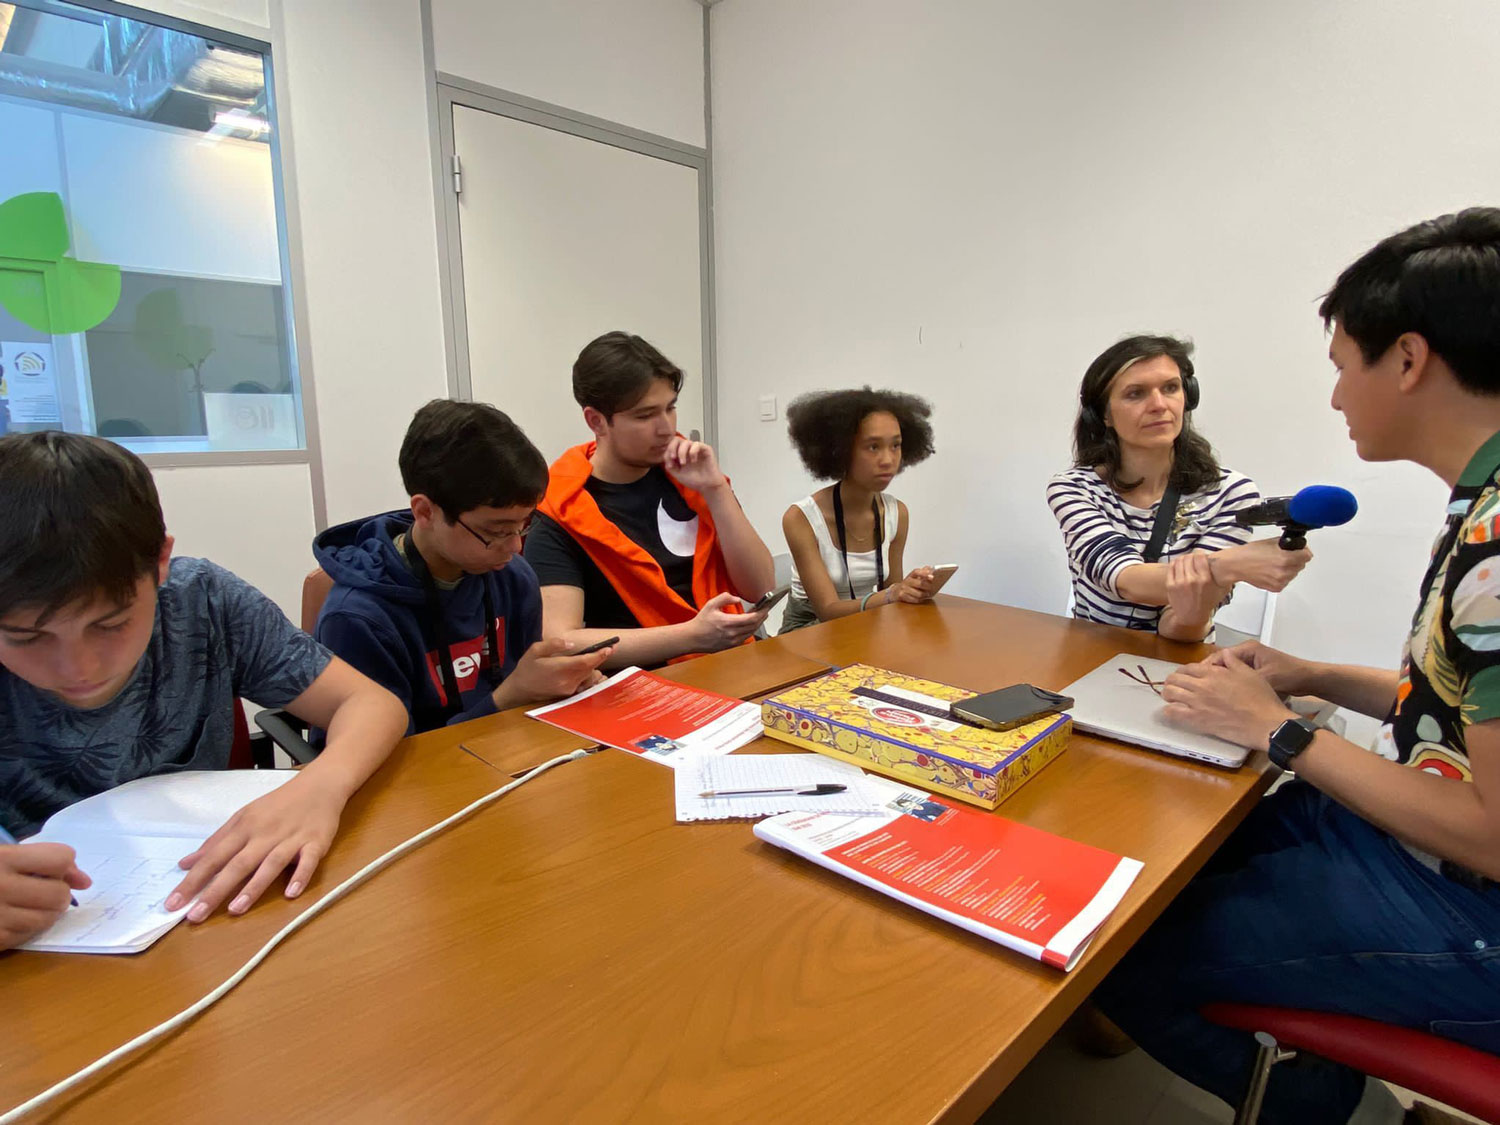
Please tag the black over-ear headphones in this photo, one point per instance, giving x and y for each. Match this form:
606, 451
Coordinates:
1189, 386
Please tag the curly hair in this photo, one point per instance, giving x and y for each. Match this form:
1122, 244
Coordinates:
1095, 445
824, 424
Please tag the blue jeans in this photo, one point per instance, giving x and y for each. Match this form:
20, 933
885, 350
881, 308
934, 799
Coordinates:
1308, 906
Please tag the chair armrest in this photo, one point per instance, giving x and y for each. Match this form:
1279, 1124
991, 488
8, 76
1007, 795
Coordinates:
287, 731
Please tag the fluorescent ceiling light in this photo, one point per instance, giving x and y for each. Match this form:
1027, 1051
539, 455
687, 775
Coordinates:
238, 119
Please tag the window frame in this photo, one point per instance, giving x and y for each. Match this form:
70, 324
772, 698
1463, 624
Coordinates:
288, 241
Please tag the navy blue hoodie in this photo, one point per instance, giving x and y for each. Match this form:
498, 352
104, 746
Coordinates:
375, 617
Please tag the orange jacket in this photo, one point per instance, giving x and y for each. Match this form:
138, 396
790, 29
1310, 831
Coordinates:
629, 567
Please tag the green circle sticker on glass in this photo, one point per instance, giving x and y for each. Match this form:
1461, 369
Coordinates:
39, 285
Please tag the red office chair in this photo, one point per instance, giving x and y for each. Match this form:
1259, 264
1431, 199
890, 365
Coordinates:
315, 587
1462, 1077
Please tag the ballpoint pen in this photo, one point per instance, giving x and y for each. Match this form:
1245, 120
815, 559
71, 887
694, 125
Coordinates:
821, 790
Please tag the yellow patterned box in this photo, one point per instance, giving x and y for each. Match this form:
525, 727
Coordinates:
898, 725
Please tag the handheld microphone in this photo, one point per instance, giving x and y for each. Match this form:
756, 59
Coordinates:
1317, 505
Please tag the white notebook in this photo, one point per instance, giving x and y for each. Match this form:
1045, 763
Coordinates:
129, 840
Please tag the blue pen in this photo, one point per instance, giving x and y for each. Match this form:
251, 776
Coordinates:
7, 838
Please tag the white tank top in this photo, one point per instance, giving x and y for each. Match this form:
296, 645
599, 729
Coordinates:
861, 563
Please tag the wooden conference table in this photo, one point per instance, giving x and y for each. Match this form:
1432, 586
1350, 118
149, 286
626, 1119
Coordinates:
572, 954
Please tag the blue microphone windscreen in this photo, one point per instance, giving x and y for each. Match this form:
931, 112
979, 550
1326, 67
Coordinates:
1322, 505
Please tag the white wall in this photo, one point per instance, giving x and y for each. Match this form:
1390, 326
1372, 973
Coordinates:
356, 104
971, 200
254, 519
638, 63
250, 17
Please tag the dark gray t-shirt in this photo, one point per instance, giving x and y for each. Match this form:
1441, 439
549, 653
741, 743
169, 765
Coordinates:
216, 639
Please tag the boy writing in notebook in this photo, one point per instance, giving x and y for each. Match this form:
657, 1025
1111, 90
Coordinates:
639, 533
118, 661
435, 603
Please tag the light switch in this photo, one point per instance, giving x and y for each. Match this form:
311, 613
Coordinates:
768, 408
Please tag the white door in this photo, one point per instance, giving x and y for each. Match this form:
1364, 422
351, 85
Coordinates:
563, 239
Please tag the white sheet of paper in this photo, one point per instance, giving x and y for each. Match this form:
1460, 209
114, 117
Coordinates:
122, 912
129, 841
190, 805
771, 771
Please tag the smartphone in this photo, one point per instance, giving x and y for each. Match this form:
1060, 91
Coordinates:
1009, 707
941, 573
770, 598
596, 646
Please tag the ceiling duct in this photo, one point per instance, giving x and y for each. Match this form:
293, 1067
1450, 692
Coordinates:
136, 69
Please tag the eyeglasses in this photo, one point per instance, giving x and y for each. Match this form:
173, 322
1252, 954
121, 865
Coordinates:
1143, 678
518, 532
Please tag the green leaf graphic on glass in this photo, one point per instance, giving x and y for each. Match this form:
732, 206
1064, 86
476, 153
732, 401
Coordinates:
162, 335
39, 285
33, 226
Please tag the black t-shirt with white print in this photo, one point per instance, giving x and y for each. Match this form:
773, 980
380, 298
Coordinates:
649, 511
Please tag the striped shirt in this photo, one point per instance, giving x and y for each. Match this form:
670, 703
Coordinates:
1104, 535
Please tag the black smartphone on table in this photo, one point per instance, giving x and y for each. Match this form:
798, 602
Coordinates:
1010, 707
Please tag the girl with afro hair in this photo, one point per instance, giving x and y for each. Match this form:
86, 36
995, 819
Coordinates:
847, 539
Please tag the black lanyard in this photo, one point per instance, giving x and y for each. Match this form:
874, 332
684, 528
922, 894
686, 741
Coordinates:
838, 519
488, 664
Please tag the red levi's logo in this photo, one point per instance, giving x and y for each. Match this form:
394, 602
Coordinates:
467, 661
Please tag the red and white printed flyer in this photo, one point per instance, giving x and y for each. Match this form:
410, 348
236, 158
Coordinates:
1031, 891
644, 714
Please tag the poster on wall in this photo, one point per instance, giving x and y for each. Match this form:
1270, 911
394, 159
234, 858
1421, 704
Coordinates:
30, 382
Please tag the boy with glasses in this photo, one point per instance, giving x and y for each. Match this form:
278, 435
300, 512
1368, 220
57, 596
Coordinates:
436, 602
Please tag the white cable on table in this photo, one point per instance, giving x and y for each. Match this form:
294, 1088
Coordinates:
281, 935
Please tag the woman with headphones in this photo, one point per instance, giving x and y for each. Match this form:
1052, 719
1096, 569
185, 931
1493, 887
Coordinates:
1147, 514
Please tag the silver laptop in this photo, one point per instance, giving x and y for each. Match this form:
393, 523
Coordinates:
1119, 700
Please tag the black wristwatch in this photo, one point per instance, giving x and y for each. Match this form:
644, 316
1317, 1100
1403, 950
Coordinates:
1290, 739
